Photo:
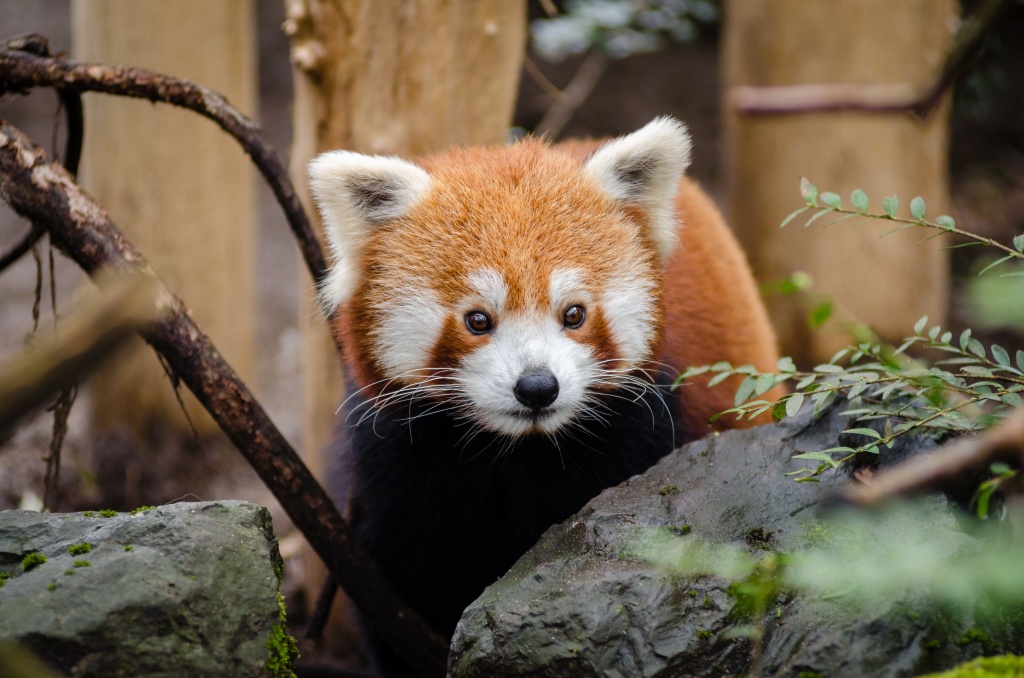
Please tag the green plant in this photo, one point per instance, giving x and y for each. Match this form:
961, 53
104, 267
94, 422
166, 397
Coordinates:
889, 393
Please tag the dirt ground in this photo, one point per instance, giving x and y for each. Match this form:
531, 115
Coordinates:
988, 186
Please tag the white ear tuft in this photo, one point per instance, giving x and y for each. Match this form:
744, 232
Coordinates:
644, 168
356, 193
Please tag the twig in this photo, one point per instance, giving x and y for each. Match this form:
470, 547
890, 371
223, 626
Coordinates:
21, 70
543, 82
947, 468
575, 93
19, 249
44, 192
874, 98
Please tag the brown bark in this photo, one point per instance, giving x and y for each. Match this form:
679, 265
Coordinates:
46, 194
887, 283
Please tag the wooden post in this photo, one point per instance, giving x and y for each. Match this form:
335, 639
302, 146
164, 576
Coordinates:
887, 283
402, 77
176, 184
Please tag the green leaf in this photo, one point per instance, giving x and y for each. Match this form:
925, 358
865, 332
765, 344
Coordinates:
917, 207
890, 204
872, 450
1015, 274
859, 199
964, 338
793, 215
785, 364
805, 382
817, 216
976, 371
945, 221
745, 390
764, 383
1018, 242
865, 432
828, 369
1000, 355
996, 263
719, 378
832, 199
793, 404
946, 337
934, 332
823, 455
975, 347
920, 325
820, 314
809, 192
1020, 360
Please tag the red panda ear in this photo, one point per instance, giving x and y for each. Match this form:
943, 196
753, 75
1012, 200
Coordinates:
355, 194
644, 168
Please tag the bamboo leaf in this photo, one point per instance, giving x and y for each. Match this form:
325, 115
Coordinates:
794, 215
996, 263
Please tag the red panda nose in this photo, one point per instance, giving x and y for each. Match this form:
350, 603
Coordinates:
536, 388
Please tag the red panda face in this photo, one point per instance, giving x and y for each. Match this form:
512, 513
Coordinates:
513, 286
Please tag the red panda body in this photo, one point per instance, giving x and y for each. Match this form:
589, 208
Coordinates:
512, 318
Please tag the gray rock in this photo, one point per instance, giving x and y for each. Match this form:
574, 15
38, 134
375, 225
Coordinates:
187, 589
582, 603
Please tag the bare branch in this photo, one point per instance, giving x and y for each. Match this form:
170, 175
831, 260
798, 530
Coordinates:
574, 94
876, 98
45, 193
947, 468
21, 70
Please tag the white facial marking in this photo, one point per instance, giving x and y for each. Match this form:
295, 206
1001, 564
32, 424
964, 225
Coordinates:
566, 287
409, 327
522, 342
628, 305
491, 286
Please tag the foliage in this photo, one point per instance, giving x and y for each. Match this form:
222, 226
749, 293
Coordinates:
620, 28
887, 392
985, 667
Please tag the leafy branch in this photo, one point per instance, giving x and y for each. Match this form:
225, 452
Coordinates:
831, 203
884, 385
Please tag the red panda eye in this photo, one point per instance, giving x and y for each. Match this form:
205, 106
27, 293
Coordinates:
573, 317
478, 322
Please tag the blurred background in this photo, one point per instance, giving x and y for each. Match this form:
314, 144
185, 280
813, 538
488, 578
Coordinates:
187, 197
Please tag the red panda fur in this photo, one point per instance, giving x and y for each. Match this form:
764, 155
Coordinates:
446, 499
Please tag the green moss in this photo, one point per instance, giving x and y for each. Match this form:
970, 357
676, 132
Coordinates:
79, 549
82, 563
88, 514
4, 576
129, 547
668, 490
707, 602
985, 667
933, 644
810, 674
51, 586
692, 593
32, 561
977, 636
108, 513
284, 650
141, 509
705, 633
68, 573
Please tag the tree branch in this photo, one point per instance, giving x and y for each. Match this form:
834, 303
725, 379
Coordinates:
45, 193
22, 70
875, 98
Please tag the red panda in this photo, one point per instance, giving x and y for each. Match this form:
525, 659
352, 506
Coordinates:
512, 318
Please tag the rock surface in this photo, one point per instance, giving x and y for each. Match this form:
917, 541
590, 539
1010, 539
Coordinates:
581, 603
187, 589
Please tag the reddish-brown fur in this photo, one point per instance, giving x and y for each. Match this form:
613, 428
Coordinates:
527, 209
